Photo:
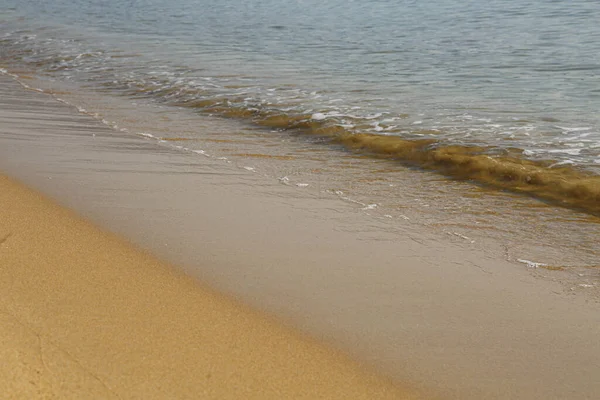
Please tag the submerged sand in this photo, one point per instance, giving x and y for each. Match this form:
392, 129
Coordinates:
83, 314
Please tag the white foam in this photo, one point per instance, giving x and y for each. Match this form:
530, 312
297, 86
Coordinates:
321, 116
573, 152
202, 152
576, 129
302, 184
566, 162
462, 236
583, 135
532, 264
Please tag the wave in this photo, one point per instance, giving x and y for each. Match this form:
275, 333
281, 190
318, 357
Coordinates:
289, 109
564, 185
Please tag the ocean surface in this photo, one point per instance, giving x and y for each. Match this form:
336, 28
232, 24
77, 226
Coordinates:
503, 95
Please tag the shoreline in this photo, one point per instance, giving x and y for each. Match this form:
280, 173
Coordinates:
438, 316
86, 315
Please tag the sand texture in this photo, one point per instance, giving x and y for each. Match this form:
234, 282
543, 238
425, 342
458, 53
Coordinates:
428, 310
85, 315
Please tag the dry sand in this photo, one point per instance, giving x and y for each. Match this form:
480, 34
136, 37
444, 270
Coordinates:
83, 314
435, 314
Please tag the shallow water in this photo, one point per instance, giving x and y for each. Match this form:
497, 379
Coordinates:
344, 96
507, 75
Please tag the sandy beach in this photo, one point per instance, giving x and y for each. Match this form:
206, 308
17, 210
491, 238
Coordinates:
85, 310
85, 315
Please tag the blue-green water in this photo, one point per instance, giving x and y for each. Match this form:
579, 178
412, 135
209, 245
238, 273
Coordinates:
516, 79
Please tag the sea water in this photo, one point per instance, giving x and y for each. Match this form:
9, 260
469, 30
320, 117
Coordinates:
503, 95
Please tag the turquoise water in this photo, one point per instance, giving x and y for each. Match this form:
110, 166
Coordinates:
510, 79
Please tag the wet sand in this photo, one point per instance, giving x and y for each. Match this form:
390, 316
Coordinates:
83, 314
443, 317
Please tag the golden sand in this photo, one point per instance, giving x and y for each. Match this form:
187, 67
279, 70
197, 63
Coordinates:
83, 314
